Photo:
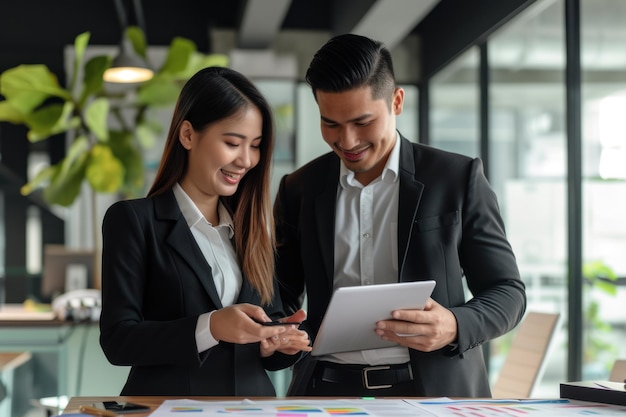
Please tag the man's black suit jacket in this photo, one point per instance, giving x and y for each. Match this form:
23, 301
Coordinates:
449, 227
156, 283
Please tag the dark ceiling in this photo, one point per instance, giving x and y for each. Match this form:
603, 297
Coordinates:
36, 31
26, 23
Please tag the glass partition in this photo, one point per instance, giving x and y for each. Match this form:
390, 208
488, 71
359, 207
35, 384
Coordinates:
454, 106
529, 166
603, 36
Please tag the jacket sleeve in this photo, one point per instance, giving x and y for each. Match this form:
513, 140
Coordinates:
490, 268
127, 337
289, 268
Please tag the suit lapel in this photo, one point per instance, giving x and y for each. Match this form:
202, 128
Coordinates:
324, 210
181, 240
410, 195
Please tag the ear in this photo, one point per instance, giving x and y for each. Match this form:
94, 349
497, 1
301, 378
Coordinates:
398, 101
185, 134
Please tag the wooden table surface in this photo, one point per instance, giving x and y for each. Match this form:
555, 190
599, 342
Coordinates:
153, 402
73, 406
11, 360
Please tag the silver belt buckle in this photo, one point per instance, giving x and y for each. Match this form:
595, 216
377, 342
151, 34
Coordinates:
366, 381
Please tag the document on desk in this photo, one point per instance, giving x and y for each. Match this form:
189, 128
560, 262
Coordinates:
291, 408
447, 407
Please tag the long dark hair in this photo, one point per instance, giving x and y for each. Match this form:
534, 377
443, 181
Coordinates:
211, 95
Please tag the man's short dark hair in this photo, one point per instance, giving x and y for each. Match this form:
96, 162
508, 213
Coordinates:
352, 61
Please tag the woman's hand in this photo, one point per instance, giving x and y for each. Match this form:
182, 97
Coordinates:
291, 341
235, 324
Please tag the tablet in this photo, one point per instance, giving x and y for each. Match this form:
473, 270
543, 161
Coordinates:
352, 314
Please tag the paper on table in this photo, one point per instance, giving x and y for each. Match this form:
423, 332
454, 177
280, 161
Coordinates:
616, 386
302, 408
14, 312
446, 407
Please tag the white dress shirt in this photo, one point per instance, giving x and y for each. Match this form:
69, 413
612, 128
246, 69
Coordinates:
217, 248
366, 244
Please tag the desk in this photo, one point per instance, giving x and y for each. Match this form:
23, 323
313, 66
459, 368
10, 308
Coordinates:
40, 334
379, 407
152, 401
15, 382
63, 355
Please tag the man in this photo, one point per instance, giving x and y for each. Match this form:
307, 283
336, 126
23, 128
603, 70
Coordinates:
381, 209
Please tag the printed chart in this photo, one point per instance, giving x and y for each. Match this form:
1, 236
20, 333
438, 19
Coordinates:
444, 407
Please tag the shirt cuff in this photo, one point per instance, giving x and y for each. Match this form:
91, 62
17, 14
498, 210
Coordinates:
204, 338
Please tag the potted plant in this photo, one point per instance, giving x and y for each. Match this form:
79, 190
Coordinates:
108, 129
599, 348
109, 159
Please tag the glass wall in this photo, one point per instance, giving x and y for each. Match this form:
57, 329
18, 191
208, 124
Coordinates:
454, 106
529, 166
603, 56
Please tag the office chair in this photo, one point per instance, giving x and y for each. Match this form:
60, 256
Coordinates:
523, 365
618, 372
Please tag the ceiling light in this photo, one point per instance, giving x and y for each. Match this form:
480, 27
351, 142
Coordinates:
128, 67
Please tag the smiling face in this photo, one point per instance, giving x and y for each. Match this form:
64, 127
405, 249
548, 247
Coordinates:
361, 130
221, 154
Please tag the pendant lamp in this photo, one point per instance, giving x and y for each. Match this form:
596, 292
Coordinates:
128, 66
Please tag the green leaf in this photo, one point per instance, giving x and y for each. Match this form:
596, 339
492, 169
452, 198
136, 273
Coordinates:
123, 147
80, 46
64, 190
213, 60
104, 172
146, 135
138, 39
8, 113
160, 92
196, 62
93, 81
65, 184
42, 176
27, 86
178, 55
154, 125
49, 120
77, 149
96, 115
608, 287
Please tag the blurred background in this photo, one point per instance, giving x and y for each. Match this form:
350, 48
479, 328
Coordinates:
536, 89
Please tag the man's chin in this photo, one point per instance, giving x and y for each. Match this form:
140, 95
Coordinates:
357, 166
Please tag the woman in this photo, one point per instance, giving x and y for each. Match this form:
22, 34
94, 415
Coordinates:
188, 270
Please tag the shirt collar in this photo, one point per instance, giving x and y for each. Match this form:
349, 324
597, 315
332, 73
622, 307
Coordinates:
389, 174
192, 214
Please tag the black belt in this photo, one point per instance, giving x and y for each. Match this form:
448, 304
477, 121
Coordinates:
372, 377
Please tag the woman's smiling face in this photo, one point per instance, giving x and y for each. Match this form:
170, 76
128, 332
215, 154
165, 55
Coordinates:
222, 153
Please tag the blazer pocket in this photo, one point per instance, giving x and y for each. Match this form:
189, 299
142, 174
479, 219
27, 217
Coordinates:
437, 222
